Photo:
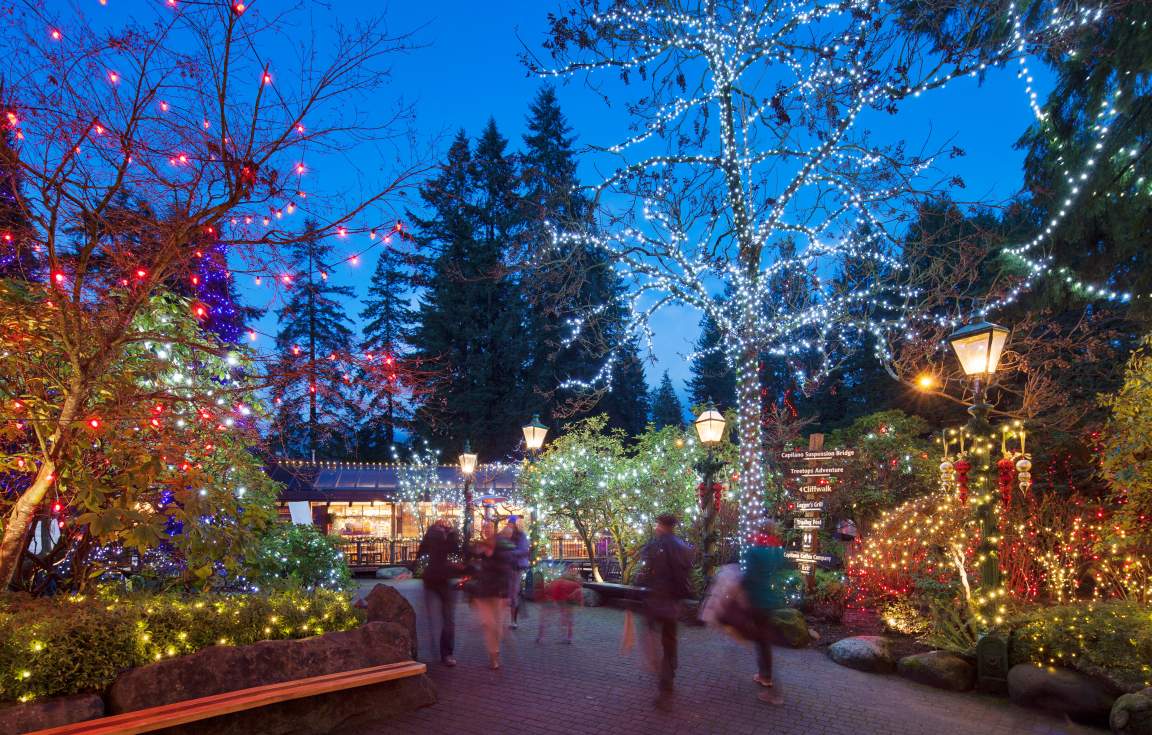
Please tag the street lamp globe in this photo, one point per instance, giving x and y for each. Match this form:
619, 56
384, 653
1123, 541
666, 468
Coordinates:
978, 347
467, 460
534, 433
710, 426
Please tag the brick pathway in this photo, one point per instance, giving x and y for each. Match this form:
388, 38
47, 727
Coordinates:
590, 688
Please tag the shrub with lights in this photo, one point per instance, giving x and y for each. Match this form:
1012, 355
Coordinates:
65, 645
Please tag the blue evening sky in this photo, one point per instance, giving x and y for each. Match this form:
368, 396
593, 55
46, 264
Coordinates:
468, 70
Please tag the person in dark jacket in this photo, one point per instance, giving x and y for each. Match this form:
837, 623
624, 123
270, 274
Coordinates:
764, 588
492, 561
521, 549
666, 573
441, 549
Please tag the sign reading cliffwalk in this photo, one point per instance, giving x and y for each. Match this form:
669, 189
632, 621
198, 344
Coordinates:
815, 471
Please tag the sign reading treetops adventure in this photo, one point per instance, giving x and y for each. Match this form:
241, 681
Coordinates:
812, 472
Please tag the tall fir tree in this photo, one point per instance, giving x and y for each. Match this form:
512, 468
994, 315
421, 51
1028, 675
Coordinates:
17, 257
666, 408
316, 412
386, 374
584, 288
712, 377
470, 335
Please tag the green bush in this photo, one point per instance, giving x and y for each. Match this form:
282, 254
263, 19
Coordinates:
295, 556
1111, 640
66, 645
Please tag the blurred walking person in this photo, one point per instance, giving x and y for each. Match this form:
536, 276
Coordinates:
521, 549
666, 573
559, 599
488, 588
764, 590
441, 546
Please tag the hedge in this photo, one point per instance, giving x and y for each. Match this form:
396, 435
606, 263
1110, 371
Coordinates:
67, 645
1109, 640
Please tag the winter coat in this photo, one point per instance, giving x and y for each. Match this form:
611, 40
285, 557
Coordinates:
491, 572
442, 547
521, 549
666, 570
763, 580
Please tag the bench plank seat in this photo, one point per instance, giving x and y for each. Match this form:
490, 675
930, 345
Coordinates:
195, 710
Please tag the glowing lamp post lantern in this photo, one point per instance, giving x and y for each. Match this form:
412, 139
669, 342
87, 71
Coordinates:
534, 434
468, 469
978, 347
710, 428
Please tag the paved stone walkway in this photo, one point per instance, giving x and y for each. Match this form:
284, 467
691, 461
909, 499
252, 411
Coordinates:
589, 687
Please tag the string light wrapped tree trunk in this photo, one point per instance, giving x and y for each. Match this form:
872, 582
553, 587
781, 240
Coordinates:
749, 170
187, 121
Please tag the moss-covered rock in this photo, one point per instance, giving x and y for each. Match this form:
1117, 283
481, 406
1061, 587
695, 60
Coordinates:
792, 627
938, 669
1132, 714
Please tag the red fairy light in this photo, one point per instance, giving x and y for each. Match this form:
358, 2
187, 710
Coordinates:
295, 349
251, 336
341, 231
323, 275
163, 106
291, 207
56, 35
113, 77
354, 260
200, 310
58, 277
299, 128
99, 129
195, 280
94, 423
56, 507
239, 8
267, 78
141, 273
300, 169
372, 235
286, 279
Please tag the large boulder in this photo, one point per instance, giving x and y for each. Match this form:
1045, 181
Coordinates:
938, 669
1068, 692
1132, 714
21, 718
219, 669
384, 604
792, 628
871, 653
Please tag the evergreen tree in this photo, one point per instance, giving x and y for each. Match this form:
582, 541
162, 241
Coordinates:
17, 259
470, 335
582, 289
315, 408
712, 377
211, 285
626, 401
666, 409
386, 373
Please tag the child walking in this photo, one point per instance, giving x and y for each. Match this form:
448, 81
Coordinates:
559, 598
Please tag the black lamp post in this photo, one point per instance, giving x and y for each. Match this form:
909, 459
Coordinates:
978, 347
467, 469
534, 433
710, 428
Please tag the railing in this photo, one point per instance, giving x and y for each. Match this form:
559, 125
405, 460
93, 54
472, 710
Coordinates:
369, 552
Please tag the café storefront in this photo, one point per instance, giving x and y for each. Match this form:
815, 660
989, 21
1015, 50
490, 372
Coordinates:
379, 522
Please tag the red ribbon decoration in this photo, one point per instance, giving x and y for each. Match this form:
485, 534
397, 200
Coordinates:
962, 466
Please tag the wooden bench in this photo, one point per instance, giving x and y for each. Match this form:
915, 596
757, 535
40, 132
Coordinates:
195, 710
618, 591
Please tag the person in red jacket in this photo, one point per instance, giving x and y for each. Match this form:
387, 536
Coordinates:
562, 595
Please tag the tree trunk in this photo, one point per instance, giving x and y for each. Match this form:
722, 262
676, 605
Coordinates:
20, 518
751, 484
590, 549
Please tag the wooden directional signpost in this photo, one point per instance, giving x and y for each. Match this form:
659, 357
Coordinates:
812, 473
